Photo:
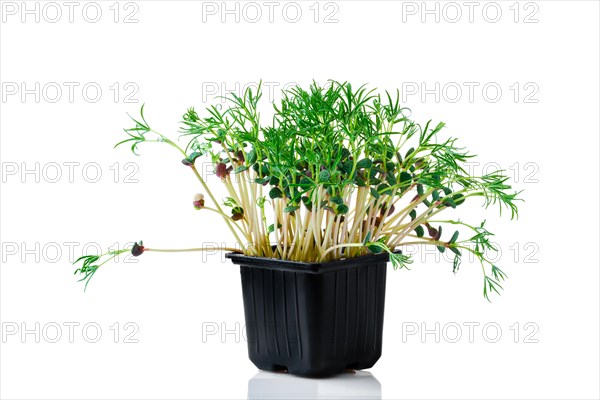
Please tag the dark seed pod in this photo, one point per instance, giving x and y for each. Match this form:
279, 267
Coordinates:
384, 210
432, 231
137, 249
222, 171
365, 225
439, 233
187, 162
240, 156
198, 201
237, 217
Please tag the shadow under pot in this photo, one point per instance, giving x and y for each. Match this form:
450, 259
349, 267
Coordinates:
313, 319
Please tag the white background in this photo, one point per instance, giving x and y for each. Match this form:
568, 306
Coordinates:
173, 57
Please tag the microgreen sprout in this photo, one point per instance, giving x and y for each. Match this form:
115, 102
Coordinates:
198, 201
340, 172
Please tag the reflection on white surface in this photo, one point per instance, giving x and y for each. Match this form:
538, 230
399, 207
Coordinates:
270, 385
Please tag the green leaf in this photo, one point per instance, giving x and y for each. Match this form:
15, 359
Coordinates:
405, 178
458, 199
456, 263
454, 237
347, 166
489, 286
192, 157
264, 170
374, 193
498, 274
271, 228
390, 178
384, 188
324, 176
289, 209
441, 248
275, 193
307, 202
375, 249
455, 250
337, 200
251, 157
237, 210
399, 260
364, 163
449, 202
413, 215
240, 168
420, 231
341, 209
305, 182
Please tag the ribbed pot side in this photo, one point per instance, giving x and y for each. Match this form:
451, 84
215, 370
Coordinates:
313, 320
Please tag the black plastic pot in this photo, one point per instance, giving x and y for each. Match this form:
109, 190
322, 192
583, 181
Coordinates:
313, 319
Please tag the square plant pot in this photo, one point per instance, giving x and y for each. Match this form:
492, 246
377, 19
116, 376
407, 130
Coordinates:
313, 319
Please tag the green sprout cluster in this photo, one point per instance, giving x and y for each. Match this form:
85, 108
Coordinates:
339, 172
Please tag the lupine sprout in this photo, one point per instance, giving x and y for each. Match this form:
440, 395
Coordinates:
339, 173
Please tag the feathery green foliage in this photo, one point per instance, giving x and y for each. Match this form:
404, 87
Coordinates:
339, 172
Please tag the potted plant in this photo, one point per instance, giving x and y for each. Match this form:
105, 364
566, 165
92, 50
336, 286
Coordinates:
319, 201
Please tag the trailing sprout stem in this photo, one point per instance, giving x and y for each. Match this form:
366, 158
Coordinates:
194, 249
